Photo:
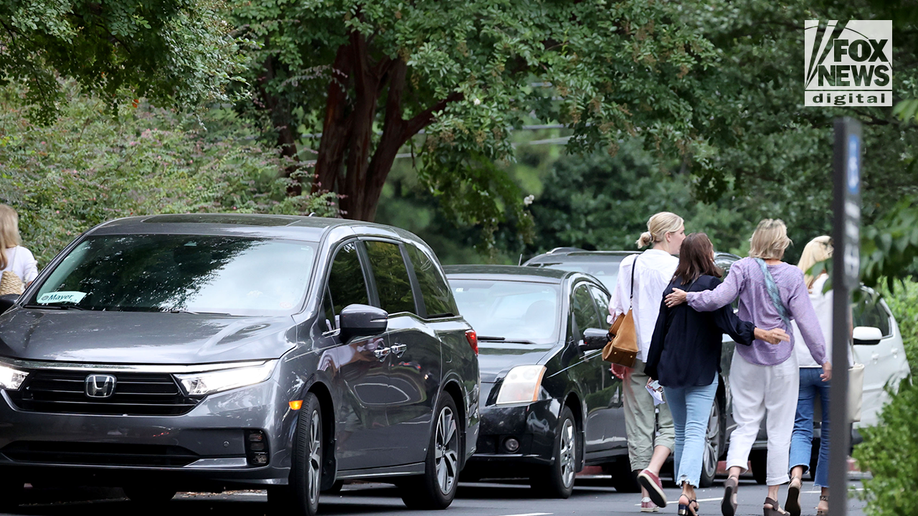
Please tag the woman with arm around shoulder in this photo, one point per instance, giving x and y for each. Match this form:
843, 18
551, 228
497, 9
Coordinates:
14, 257
652, 271
685, 357
764, 378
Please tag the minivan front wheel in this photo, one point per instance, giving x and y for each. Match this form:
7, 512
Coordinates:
302, 495
437, 487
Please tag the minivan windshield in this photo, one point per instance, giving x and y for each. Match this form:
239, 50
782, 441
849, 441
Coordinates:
180, 273
509, 311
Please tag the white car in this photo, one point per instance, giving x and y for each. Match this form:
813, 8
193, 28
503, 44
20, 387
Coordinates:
877, 345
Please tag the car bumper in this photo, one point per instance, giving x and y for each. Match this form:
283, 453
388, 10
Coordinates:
533, 425
206, 445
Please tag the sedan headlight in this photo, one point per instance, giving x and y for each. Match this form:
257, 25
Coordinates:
11, 378
202, 384
521, 385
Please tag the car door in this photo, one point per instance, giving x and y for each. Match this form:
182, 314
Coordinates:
587, 371
611, 418
414, 368
359, 376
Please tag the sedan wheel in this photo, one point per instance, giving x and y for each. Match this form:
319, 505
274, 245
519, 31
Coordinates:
558, 480
712, 446
437, 488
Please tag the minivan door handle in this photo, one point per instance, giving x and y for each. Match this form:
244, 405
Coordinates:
399, 349
381, 353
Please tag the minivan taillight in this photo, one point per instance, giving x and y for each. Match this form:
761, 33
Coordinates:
472, 337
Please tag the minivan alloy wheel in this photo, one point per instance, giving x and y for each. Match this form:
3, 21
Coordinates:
447, 453
437, 487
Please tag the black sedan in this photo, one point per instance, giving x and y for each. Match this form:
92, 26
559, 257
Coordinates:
549, 403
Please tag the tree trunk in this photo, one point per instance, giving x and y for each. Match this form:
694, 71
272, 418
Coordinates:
336, 126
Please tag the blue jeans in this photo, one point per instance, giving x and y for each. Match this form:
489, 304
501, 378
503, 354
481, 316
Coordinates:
691, 409
811, 386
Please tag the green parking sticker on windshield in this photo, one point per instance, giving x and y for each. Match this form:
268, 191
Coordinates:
61, 297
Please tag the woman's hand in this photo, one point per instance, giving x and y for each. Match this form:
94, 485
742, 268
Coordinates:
676, 298
826, 372
773, 336
619, 371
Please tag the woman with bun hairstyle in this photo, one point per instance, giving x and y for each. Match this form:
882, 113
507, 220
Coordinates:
653, 270
764, 378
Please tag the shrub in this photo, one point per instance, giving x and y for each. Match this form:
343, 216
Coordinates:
890, 453
903, 301
89, 167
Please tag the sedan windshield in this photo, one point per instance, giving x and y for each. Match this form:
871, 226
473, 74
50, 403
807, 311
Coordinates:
181, 273
510, 311
603, 267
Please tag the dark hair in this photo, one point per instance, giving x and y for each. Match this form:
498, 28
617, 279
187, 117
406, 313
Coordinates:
695, 259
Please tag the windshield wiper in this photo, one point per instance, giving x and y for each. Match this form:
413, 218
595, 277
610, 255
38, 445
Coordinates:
57, 307
182, 311
488, 338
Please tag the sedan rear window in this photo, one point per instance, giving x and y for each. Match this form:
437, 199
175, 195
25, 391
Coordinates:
179, 273
510, 311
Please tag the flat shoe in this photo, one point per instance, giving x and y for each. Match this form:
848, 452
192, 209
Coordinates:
792, 504
728, 505
651, 482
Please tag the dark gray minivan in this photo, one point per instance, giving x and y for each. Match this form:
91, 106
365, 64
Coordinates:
180, 352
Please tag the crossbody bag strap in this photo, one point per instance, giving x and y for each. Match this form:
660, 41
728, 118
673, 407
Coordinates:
772, 287
631, 299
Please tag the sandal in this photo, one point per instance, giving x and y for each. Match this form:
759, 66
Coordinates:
775, 509
823, 512
687, 509
728, 504
695, 506
792, 504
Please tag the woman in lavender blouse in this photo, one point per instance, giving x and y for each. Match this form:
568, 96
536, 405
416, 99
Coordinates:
764, 378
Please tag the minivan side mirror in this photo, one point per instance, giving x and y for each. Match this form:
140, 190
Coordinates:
594, 338
7, 301
867, 335
362, 321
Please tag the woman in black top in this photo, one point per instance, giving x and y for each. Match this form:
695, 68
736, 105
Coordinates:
685, 357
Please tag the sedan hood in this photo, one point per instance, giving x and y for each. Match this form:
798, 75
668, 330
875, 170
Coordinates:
497, 358
141, 337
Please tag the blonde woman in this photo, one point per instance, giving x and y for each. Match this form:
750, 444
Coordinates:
653, 270
764, 378
811, 385
14, 257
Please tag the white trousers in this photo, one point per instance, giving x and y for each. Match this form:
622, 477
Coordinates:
759, 390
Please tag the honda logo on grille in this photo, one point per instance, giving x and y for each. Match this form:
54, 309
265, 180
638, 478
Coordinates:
100, 385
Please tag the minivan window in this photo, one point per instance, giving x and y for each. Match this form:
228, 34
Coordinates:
346, 284
511, 311
869, 312
438, 299
392, 282
194, 273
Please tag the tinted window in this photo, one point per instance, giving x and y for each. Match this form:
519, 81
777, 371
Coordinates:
438, 299
512, 310
869, 312
346, 284
602, 303
161, 273
585, 314
392, 283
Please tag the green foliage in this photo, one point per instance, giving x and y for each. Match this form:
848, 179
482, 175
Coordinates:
889, 247
902, 299
174, 52
87, 168
890, 453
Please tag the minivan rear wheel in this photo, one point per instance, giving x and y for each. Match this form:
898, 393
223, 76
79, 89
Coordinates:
437, 487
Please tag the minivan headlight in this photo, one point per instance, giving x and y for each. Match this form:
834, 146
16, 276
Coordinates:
11, 378
521, 385
202, 384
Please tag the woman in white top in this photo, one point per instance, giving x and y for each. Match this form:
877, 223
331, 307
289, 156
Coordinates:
14, 257
653, 270
811, 385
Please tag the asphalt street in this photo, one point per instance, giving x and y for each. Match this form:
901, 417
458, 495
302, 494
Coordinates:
592, 496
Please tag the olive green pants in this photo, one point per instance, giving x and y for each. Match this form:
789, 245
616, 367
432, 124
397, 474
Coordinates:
642, 419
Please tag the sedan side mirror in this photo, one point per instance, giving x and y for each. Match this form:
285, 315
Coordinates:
594, 338
362, 321
7, 301
867, 335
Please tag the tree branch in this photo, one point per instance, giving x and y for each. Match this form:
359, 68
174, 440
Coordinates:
423, 119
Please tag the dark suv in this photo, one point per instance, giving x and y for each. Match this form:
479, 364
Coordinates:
179, 352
